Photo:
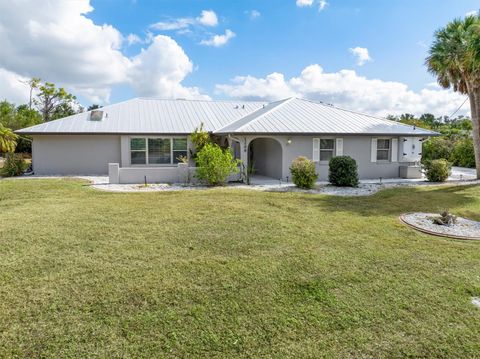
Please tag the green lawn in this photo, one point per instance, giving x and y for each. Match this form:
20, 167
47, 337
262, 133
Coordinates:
232, 273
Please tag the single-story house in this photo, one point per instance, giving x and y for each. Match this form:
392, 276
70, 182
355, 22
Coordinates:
144, 137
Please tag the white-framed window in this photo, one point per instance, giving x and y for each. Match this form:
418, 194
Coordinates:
179, 149
138, 151
327, 149
383, 149
157, 150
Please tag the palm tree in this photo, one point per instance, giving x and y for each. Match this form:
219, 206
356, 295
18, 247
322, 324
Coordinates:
8, 140
454, 58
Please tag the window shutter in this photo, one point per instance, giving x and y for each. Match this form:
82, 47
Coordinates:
316, 150
339, 147
394, 149
373, 156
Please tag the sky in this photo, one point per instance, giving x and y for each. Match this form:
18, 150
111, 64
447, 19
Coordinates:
366, 56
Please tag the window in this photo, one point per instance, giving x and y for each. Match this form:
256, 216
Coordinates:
138, 151
326, 149
179, 149
157, 151
383, 149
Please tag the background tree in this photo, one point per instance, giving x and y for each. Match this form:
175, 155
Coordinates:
93, 107
8, 140
33, 84
454, 58
54, 102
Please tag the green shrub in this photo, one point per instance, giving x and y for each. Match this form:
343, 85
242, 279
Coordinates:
437, 170
463, 154
303, 172
199, 139
214, 165
342, 171
436, 148
14, 165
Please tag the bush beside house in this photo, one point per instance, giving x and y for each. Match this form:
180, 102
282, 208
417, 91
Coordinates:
214, 164
342, 171
303, 172
14, 165
437, 170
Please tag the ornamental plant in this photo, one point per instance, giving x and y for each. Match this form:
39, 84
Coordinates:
215, 164
303, 172
14, 165
200, 138
437, 170
342, 171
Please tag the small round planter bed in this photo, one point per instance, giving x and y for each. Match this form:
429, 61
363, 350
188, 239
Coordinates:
423, 222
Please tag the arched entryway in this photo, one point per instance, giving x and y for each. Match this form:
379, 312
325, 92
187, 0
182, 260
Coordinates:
265, 157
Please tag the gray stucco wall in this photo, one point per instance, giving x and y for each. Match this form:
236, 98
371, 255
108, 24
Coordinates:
74, 154
357, 147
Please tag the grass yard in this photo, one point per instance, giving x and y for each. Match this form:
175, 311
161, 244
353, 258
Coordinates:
232, 273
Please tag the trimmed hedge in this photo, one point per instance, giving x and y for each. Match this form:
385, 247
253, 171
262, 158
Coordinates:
303, 172
342, 171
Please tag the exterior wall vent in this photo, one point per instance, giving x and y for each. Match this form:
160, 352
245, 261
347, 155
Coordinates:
97, 115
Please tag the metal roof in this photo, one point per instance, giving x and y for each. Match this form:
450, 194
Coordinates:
149, 115
299, 116
289, 116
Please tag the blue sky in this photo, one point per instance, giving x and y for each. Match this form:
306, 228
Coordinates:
303, 48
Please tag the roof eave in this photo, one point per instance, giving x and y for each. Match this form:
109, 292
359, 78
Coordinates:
432, 134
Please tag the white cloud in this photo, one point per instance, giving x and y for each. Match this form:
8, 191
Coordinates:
133, 39
302, 3
160, 69
207, 18
219, 40
322, 4
273, 87
472, 13
361, 54
13, 87
347, 89
253, 14
58, 43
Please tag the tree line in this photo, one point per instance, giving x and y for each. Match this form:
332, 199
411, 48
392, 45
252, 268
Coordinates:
455, 143
47, 102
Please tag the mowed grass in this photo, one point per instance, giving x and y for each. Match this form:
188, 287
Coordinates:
232, 273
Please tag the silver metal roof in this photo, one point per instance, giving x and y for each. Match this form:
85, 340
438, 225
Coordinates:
289, 116
148, 116
299, 116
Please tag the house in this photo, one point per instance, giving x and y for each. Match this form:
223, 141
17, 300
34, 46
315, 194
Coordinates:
144, 138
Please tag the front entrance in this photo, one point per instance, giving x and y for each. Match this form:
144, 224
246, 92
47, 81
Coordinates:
265, 157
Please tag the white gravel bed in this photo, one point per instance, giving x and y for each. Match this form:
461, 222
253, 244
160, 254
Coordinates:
365, 188
463, 228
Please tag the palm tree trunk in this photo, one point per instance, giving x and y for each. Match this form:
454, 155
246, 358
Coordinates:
474, 96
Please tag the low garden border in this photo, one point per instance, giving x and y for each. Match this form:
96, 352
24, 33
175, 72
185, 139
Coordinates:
433, 233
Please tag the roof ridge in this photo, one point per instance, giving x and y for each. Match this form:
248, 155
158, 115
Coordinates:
280, 104
362, 113
196, 100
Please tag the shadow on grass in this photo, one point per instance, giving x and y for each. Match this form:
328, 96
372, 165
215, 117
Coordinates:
463, 200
